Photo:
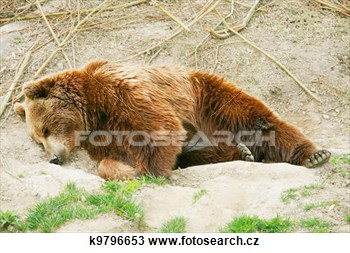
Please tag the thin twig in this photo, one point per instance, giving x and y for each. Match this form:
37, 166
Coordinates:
53, 33
335, 7
171, 16
62, 13
23, 9
154, 55
279, 64
205, 10
232, 9
18, 75
244, 23
67, 38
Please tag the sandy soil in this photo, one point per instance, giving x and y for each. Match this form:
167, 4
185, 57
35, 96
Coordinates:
312, 42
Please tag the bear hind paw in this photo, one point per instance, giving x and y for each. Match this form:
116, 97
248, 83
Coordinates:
318, 158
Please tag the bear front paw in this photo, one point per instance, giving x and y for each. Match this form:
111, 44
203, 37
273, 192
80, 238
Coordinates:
245, 153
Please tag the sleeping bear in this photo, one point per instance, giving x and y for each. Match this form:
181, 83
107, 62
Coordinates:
137, 120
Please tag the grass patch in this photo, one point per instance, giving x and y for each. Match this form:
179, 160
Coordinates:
55, 211
252, 224
314, 186
344, 172
347, 218
151, 179
304, 191
199, 195
339, 159
315, 225
175, 225
74, 203
343, 159
11, 222
324, 204
290, 194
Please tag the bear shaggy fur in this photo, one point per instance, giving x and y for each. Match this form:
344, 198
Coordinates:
177, 103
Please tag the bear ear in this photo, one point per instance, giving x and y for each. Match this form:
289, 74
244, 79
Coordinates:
38, 89
20, 110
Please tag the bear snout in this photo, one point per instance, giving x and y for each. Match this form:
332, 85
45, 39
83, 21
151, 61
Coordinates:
55, 160
57, 152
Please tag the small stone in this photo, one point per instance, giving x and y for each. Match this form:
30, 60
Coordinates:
331, 208
325, 116
137, 217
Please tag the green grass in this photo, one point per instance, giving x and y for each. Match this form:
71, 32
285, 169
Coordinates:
175, 225
150, 179
315, 225
11, 222
314, 186
199, 195
347, 218
117, 197
290, 194
74, 203
339, 159
304, 191
344, 172
323, 204
55, 211
252, 224
343, 160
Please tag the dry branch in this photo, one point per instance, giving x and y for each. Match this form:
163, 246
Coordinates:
210, 6
338, 7
22, 10
228, 33
53, 33
67, 38
171, 16
279, 64
207, 37
63, 13
18, 75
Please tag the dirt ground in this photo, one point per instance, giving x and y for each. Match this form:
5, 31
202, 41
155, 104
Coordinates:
311, 41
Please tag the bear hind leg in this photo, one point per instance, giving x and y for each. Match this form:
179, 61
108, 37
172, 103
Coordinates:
209, 155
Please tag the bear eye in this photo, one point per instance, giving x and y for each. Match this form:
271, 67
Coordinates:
46, 132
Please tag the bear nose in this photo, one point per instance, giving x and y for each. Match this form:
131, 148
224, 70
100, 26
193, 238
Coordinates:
55, 160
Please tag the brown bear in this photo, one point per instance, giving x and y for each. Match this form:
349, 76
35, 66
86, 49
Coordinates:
138, 120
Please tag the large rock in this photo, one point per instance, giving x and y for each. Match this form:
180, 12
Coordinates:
233, 189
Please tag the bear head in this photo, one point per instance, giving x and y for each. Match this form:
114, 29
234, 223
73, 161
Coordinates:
53, 114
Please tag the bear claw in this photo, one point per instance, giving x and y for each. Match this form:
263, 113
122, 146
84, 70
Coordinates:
246, 154
317, 159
